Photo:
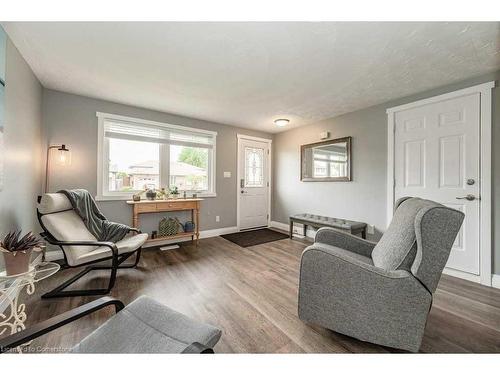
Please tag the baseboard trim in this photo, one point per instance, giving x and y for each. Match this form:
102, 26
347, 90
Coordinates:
495, 281
278, 225
297, 229
462, 275
217, 232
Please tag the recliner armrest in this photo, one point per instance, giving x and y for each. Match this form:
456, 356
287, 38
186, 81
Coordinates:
314, 250
344, 240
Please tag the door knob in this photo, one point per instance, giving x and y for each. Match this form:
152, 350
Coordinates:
243, 191
469, 197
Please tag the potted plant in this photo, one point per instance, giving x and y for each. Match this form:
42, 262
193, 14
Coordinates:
174, 192
17, 251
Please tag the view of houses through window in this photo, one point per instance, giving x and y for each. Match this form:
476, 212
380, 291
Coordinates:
135, 166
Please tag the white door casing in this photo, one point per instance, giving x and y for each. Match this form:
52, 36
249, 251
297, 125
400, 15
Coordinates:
253, 182
437, 146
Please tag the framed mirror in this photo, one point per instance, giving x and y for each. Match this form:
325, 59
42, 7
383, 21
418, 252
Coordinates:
326, 161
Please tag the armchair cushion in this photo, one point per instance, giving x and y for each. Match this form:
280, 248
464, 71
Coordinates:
397, 247
127, 245
53, 202
68, 226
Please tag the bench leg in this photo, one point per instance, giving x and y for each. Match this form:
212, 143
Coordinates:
363, 234
304, 231
291, 229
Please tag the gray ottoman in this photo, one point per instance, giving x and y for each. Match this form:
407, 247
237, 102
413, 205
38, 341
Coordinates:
146, 326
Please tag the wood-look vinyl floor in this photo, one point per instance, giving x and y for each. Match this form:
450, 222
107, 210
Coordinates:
251, 294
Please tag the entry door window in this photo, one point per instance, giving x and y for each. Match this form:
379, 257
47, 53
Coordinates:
254, 167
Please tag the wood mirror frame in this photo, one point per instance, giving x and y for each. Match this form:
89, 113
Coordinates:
303, 160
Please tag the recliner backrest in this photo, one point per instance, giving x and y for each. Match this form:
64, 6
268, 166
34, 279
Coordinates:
63, 223
419, 239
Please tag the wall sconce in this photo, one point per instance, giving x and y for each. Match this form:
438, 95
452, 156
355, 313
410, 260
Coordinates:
63, 158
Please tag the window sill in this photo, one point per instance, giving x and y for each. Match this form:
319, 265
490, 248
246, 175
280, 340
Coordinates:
104, 198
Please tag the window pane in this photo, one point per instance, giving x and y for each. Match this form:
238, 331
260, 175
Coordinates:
133, 165
320, 168
189, 168
254, 167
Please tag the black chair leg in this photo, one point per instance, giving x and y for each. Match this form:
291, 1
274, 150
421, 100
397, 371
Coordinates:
112, 278
136, 262
123, 259
60, 292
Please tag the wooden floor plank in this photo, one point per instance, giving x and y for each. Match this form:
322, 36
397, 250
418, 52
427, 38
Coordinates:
251, 294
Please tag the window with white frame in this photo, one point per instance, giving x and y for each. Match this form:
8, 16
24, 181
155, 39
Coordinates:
135, 155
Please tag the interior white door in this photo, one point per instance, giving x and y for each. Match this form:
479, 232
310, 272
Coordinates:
253, 191
437, 157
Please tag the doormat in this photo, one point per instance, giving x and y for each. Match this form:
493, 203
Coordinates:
254, 237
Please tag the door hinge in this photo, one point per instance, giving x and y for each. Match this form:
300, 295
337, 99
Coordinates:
268, 216
268, 184
268, 151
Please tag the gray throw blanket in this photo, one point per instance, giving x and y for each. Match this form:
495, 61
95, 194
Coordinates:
84, 205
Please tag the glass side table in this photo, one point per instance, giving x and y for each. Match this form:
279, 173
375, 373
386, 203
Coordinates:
12, 312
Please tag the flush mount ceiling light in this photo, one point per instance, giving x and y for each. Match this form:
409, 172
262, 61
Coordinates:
282, 122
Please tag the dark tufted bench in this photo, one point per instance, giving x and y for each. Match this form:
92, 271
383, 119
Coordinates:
317, 221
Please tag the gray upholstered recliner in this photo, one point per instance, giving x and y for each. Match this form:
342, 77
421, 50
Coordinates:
379, 292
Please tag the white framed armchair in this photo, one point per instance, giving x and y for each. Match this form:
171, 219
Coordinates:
63, 227
379, 292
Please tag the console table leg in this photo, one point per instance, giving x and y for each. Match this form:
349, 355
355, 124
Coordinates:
291, 229
197, 226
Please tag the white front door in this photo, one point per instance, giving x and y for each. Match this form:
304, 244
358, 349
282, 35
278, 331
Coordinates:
253, 183
436, 156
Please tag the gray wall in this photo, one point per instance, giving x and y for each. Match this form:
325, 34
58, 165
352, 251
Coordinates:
22, 132
71, 119
365, 197
357, 200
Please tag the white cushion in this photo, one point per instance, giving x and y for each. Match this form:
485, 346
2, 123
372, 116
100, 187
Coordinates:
54, 202
68, 226
127, 245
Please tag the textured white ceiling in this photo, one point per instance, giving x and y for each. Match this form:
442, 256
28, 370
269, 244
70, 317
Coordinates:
248, 74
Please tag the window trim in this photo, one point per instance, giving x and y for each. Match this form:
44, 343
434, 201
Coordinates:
103, 151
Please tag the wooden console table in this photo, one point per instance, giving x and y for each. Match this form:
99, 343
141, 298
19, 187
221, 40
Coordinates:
191, 204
